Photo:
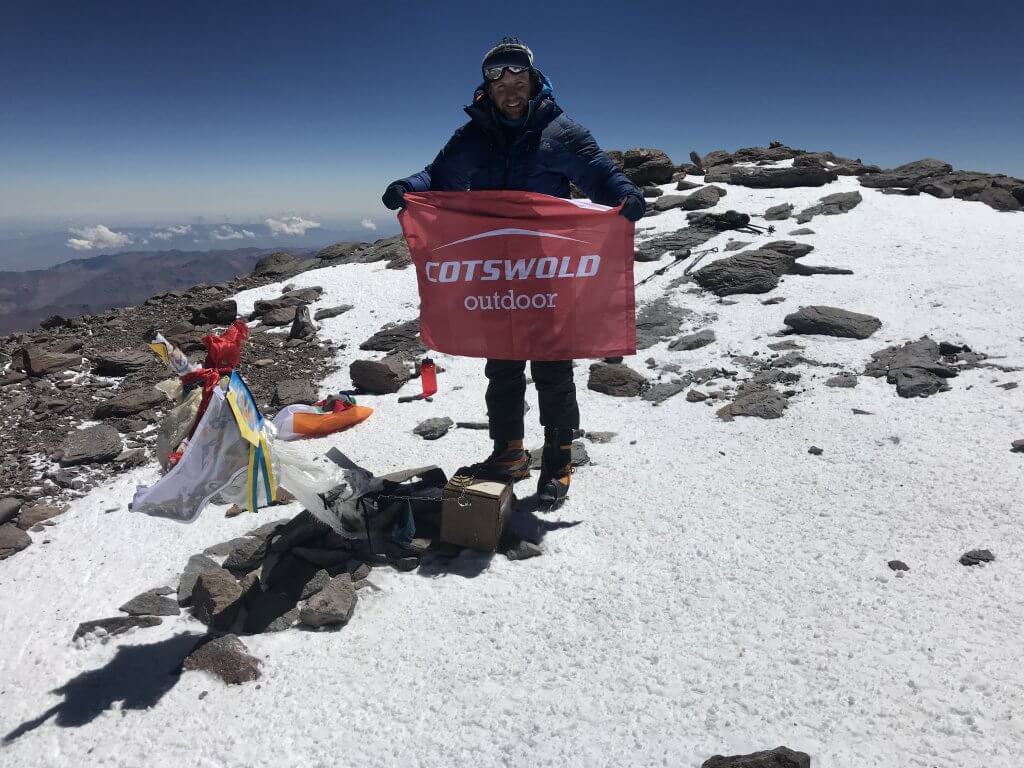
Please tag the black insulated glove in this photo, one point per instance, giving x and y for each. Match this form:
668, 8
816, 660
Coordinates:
633, 207
394, 197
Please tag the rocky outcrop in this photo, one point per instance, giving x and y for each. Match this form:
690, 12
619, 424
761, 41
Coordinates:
831, 205
645, 166
767, 177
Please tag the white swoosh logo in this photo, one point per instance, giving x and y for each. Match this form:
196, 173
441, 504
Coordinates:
511, 231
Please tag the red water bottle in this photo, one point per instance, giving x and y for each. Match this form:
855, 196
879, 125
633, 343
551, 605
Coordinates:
428, 377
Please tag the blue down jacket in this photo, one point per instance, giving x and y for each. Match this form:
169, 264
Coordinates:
550, 151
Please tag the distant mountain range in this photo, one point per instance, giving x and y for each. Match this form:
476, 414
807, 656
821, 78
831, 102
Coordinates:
90, 285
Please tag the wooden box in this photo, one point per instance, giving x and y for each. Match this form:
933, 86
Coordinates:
476, 509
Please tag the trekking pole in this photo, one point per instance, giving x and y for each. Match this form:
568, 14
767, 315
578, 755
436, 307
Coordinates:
700, 255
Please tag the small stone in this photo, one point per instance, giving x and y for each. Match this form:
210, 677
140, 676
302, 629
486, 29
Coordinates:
695, 396
233, 511
1017, 446
226, 657
780, 757
153, 602
898, 565
600, 437
842, 381
328, 312
524, 550
116, 625
9, 509
693, 340
976, 556
247, 556
406, 564
815, 450
12, 540
859, 412
217, 598
332, 606
434, 429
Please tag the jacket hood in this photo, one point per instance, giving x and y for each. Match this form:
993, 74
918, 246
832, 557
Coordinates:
542, 106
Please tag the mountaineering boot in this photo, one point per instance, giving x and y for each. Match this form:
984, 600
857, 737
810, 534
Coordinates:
508, 458
556, 467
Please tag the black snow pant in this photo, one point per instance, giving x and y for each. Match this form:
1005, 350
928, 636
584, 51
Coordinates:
506, 393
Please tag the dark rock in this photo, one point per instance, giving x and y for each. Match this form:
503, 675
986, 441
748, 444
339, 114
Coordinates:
774, 300
789, 248
197, 564
98, 444
801, 231
281, 265
217, 598
831, 205
407, 564
226, 657
815, 450
40, 362
842, 381
283, 306
772, 154
695, 396
1017, 446
779, 212
216, 313
279, 316
401, 340
338, 251
780, 757
153, 602
658, 320
706, 197
600, 437
646, 166
716, 157
683, 185
735, 245
755, 271
247, 556
778, 178
32, 516
907, 175
523, 550
225, 547
302, 326
693, 340
316, 584
127, 459
303, 295
332, 606
379, 377
668, 202
130, 403
898, 565
915, 382
293, 392
116, 625
976, 557
121, 362
616, 380
9, 377
832, 321
671, 244
652, 192
9, 509
433, 429
915, 368
12, 540
762, 404
663, 390
327, 312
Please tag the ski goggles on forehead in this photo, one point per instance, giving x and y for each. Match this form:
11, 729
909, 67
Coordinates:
495, 73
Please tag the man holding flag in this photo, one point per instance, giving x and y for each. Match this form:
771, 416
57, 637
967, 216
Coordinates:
518, 138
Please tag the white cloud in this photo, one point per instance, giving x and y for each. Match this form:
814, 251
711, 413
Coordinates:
178, 230
290, 225
100, 236
224, 232
368, 224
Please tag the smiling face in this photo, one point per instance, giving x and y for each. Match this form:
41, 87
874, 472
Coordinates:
511, 94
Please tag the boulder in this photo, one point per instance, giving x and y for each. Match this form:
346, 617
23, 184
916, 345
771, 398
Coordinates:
616, 379
668, 202
327, 312
832, 321
393, 250
303, 295
153, 602
831, 205
225, 657
264, 306
658, 320
907, 175
130, 403
771, 154
705, 197
916, 368
652, 191
647, 166
279, 316
293, 392
98, 444
759, 403
433, 429
661, 391
115, 625
379, 377
302, 326
779, 212
246, 556
121, 362
756, 271
40, 362
693, 341
779, 178
9, 507
401, 340
197, 565
789, 248
780, 757
12, 540
217, 599
216, 313
976, 557
683, 185
332, 606
37, 513
716, 157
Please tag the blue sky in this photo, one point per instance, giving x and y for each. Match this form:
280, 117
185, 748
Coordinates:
122, 111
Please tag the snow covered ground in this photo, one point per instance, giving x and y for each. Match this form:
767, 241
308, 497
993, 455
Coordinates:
723, 591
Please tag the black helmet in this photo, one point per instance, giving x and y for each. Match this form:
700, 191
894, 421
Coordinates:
510, 52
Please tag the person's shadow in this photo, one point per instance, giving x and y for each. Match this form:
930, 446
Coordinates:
138, 676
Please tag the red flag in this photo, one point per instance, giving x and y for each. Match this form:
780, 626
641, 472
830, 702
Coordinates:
521, 276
